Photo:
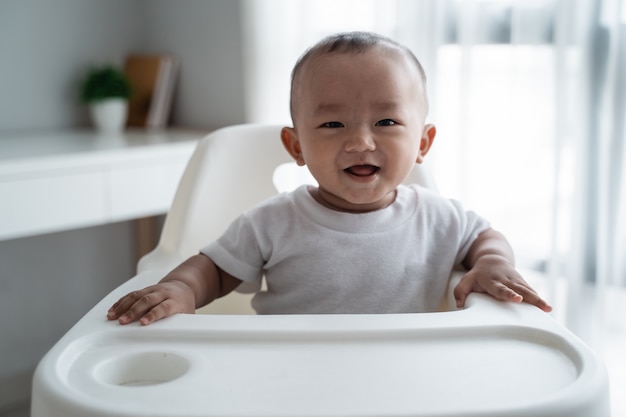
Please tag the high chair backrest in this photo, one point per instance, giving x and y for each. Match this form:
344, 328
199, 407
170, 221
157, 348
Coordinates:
231, 170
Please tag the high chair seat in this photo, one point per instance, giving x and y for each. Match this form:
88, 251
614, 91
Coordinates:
489, 359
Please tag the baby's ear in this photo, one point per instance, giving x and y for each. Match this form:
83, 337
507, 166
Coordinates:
291, 143
426, 141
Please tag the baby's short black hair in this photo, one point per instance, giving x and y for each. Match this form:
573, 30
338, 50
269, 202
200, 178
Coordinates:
352, 42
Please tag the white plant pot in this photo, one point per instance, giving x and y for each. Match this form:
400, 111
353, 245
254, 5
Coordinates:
109, 116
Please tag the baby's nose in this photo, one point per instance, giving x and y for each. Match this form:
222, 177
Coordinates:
360, 140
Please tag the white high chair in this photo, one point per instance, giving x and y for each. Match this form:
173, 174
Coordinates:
489, 359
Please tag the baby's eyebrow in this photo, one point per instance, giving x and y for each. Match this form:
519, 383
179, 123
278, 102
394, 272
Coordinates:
386, 105
325, 108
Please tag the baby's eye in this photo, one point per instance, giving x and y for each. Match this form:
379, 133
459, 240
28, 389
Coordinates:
332, 125
385, 122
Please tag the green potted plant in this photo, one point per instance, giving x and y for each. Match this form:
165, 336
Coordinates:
105, 89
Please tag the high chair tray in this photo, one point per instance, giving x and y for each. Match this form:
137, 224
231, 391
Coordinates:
389, 365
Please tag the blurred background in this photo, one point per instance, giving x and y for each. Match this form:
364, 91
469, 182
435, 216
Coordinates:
529, 98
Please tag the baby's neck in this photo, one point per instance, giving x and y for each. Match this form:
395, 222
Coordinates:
336, 203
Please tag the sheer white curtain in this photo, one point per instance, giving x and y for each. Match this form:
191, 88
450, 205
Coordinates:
593, 115
277, 32
529, 100
491, 79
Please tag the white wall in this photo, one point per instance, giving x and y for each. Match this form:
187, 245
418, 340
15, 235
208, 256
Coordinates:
48, 282
45, 47
206, 35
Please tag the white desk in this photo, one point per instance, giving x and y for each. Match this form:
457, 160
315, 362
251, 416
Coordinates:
53, 181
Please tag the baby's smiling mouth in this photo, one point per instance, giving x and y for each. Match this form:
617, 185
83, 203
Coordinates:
365, 170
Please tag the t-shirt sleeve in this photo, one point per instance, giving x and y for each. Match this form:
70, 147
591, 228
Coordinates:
470, 225
237, 251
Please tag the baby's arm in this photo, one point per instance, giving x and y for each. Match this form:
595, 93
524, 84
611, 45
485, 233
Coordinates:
491, 266
194, 283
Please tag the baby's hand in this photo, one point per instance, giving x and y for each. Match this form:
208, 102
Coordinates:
496, 276
153, 303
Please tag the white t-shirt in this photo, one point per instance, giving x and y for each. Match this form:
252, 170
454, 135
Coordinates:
317, 260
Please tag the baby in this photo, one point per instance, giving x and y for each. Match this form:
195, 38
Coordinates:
359, 242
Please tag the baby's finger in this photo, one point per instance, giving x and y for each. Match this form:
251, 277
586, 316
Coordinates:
504, 293
123, 304
160, 311
532, 298
143, 305
462, 290
126, 302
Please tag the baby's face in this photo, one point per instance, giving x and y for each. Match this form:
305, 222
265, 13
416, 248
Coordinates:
359, 126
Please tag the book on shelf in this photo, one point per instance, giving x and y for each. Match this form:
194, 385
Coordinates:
152, 78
